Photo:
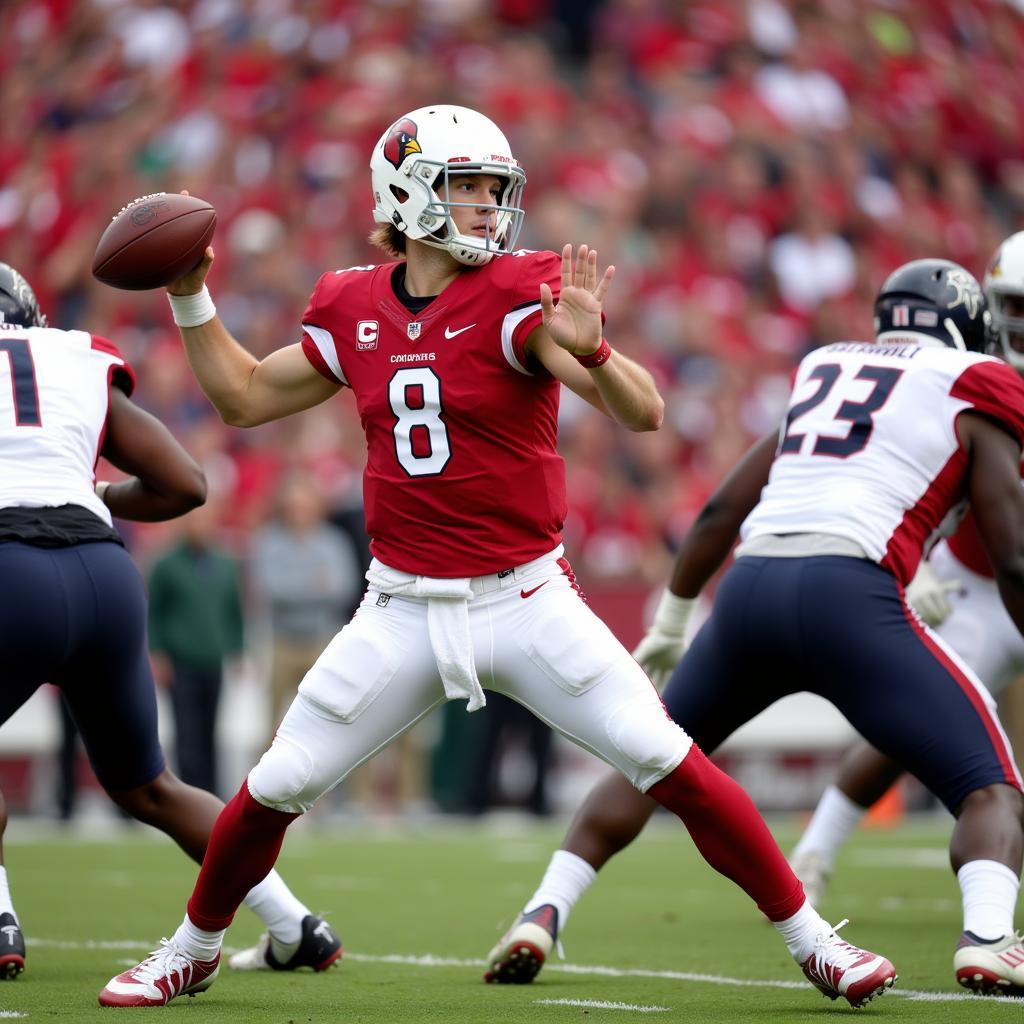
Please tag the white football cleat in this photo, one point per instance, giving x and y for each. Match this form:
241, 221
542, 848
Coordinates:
522, 950
836, 968
991, 968
164, 975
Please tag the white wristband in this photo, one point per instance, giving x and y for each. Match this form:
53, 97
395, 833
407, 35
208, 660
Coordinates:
192, 310
673, 613
101, 490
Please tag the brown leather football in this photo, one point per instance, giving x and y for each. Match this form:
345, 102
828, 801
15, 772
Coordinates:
153, 241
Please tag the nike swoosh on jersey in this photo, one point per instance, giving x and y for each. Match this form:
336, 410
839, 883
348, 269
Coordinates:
530, 593
449, 333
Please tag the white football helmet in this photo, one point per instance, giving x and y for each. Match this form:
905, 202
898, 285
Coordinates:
410, 170
1004, 286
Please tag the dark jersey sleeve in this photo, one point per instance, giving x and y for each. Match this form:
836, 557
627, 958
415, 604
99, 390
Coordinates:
994, 390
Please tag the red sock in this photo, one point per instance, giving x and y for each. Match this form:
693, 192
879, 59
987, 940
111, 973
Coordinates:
244, 844
730, 833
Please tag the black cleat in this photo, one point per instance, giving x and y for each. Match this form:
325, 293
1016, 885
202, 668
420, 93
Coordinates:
12, 948
318, 948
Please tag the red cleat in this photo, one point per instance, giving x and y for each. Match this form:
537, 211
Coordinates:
837, 969
165, 974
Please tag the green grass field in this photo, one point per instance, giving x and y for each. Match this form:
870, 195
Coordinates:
660, 934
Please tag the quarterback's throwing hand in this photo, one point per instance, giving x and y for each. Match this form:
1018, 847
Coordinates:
193, 281
575, 321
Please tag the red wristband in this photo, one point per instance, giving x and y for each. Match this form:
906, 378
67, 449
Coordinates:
597, 358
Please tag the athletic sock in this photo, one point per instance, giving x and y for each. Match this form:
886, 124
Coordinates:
832, 823
244, 843
280, 910
567, 878
800, 931
730, 833
6, 906
197, 943
989, 890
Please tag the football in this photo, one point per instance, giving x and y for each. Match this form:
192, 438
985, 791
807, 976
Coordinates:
153, 241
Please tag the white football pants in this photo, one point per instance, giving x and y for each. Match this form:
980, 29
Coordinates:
533, 638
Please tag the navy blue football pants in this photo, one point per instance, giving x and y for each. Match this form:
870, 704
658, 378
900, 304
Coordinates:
839, 627
76, 617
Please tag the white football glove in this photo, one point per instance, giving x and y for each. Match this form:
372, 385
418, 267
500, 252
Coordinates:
665, 642
927, 595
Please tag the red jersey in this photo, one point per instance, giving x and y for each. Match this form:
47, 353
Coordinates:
463, 475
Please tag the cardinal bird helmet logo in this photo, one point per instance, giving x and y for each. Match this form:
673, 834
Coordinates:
401, 141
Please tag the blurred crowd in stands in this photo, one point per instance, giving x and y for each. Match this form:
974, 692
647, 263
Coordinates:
754, 168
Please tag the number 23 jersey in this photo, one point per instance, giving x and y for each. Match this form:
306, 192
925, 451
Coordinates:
463, 475
869, 449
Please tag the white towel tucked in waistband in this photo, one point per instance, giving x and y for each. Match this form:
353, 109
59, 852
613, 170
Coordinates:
447, 624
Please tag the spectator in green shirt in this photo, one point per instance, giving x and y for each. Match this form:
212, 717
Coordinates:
195, 625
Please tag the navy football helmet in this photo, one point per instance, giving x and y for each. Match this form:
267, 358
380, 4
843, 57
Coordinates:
18, 304
934, 298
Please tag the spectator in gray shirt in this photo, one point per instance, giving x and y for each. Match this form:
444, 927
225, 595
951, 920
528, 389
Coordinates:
307, 573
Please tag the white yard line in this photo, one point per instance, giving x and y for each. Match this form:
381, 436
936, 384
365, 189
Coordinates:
708, 979
600, 1004
429, 960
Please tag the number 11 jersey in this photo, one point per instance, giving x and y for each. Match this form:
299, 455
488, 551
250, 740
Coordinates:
463, 475
53, 415
869, 449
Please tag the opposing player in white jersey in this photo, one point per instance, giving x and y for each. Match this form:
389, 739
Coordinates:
880, 444
956, 593
455, 355
72, 607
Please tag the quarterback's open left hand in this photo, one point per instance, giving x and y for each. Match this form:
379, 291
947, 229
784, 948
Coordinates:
575, 321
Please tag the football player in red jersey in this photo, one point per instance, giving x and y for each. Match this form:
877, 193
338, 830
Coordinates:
455, 355
882, 443
72, 605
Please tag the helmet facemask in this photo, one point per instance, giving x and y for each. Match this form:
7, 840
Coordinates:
473, 250
1008, 325
1004, 286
